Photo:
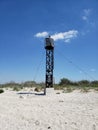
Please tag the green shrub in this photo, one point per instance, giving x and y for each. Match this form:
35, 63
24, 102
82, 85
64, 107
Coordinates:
96, 89
16, 88
68, 90
64, 81
1, 91
85, 89
37, 89
58, 87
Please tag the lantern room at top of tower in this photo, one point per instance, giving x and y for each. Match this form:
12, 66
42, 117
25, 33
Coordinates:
49, 43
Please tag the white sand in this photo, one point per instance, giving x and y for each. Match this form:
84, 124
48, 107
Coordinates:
64, 111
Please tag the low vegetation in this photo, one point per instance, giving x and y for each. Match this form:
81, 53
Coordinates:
37, 89
83, 85
17, 88
68, 89
65, 84
85, 89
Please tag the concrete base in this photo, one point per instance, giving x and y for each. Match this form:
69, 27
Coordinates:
49, 91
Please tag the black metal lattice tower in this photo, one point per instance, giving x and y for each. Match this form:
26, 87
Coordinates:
49, 46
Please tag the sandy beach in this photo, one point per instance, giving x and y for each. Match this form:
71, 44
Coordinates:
64, 111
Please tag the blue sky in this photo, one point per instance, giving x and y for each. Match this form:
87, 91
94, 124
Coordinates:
73, 24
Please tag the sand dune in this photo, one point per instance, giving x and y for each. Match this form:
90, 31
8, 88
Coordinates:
64, 111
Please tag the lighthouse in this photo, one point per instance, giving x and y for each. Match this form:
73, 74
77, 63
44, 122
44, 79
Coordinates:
49, 46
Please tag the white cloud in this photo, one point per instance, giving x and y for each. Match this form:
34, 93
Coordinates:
86, 14
42, 34
67, 40
84, 18
66, 36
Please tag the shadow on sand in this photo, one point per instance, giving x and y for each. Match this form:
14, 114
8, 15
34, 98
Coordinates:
39, 94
